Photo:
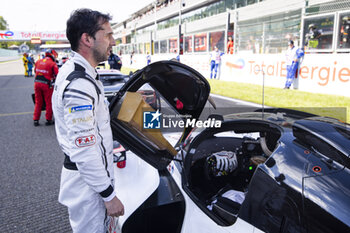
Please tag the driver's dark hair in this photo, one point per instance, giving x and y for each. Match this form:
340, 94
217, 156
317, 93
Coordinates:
84, 21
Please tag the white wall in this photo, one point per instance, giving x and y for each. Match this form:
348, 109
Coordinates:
319, 73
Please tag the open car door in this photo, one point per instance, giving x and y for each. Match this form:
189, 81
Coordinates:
137, 126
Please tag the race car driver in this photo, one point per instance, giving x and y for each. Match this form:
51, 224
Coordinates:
45, 73
83, 126
222, 163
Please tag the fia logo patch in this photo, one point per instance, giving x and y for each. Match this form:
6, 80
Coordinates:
85, 141
151, 120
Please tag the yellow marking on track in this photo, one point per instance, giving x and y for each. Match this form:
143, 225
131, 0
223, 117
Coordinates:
15, 114
14, 88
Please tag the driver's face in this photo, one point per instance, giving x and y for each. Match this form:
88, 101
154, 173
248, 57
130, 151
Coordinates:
103, 43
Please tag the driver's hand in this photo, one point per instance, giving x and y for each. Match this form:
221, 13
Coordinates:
226, 161
115, 207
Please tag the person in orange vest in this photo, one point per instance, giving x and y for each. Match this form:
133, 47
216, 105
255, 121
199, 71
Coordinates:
230, 45
46, 71
25, 63
345, 33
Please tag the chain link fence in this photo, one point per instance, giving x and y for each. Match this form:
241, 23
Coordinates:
328, 7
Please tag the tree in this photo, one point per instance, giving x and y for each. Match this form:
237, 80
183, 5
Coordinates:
3, 26
3, 23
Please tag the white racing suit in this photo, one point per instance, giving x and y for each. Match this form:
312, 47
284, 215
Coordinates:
84, 134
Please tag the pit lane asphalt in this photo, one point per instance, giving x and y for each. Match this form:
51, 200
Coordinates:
31, 160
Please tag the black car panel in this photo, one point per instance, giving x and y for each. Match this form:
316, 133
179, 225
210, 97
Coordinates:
297, 189
331, 140
174, 82
272, 206
327, 202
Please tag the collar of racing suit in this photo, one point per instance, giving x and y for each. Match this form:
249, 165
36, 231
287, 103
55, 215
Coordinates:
77, 58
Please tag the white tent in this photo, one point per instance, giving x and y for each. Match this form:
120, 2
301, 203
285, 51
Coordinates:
14, 47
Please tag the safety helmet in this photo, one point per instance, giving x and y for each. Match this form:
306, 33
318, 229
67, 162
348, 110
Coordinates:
312, 26
345, 18
25, 54
51, 53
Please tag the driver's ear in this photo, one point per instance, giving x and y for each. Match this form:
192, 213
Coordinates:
86, 39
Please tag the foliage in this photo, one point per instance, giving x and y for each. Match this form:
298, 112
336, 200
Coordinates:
3, 23
3, 26
51, 42
126, 70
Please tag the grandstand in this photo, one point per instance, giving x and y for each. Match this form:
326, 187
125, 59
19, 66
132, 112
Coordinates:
260, 30
257, 26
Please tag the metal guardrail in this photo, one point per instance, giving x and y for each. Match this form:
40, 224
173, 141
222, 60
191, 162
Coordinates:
2, 59
8, 55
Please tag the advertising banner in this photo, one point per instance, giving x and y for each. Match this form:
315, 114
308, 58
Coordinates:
319, 73
27, 35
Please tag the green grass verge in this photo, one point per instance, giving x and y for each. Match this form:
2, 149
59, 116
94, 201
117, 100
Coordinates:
320, 104
126, 70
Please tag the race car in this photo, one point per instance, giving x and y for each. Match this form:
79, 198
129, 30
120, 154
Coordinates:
273, 170
113, 80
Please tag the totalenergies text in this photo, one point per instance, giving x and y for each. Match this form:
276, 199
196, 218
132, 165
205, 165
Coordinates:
323, 74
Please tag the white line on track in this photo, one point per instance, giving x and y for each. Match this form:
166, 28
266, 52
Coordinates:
15, 114
237, 100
